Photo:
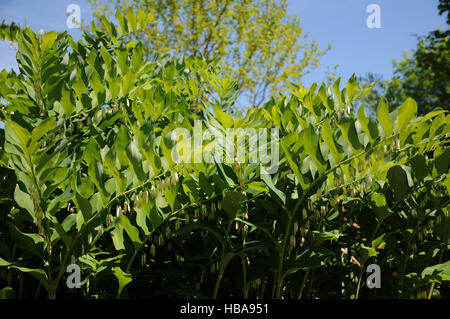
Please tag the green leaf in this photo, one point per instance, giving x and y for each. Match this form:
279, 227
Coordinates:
123, 278
327, 135
39, 274
135, 159
347, 126
128, 81
232, 203
378, 199
257, 186
28, 241
312, 148
268, 180
95, 171
366, 253
21, 133
83, 205
407, 112
419, 167
117, 237
141, 220
131, 17
66, 101
24, 200
205, 185
4, 263
48, 40
368, 125
352, 87
7, 293
441, 271
398, 179
309, 258
442, 161
131, 231
42, 129
383, 117
338, 92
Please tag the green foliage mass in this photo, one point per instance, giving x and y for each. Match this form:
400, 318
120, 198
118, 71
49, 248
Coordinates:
259, 43
87, 177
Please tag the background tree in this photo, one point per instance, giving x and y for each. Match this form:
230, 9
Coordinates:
257, 41
444, 6
423, 75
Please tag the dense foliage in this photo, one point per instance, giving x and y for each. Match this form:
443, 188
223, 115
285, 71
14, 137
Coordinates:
258, 42
88, 177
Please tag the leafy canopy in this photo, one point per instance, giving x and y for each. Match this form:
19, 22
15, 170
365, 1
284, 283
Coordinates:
87, 177
258, 42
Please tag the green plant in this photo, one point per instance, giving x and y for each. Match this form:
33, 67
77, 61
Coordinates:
259, 43
88, 177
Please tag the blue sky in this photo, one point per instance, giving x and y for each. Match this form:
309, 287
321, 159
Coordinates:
355, 47
341, 23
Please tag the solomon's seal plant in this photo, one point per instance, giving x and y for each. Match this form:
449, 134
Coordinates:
87, 176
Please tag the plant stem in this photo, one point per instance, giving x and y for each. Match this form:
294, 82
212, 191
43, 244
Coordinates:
244, 278
430, 293
302, 287
359, 281
281, 257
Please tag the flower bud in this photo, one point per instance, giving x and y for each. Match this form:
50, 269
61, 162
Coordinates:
310, 206
174, 179
109, 220
292, 242
118, 211
160, 240
152, 250
100, 230
145, 197
360, 166
326, 193
167, 183
126, 207
204, 211
167, 232
245, 230
304, 213
137, 203
152, 192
